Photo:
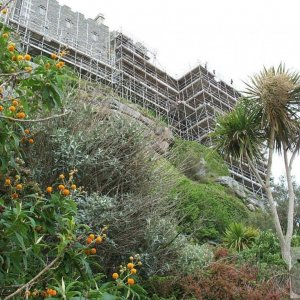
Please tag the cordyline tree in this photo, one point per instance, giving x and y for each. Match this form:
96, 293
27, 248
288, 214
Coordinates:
267, 118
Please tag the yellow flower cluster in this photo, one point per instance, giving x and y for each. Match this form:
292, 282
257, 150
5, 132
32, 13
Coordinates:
92, 240
65, 187
14, 185
126, 272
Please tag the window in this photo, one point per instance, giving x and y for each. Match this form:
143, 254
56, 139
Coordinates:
42, 10
94, 36
69, 23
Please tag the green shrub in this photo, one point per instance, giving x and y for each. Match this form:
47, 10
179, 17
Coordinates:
207, 209
194, 257
197, 161
238, 236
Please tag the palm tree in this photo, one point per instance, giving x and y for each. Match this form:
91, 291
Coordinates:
268, 117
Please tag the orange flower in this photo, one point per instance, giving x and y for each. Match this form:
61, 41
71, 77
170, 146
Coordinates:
115, 275
93, 251
27, 57
49, 189
27, 131
47, 66
66, 192
1, 107
89, 240
73, 187
98, 240
130, 266
19, 186
53, 56
15, 103
130, 281
7, 181
21, 115
20, 57
61, 176
61, 187
133, 271
12, 108
15, 196
92, 236
31, 141
11, 47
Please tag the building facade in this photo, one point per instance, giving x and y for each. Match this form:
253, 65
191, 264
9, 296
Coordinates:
189, 104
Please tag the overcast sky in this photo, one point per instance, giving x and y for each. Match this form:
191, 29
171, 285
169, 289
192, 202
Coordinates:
235, 37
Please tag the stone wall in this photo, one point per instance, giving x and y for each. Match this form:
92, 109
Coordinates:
59, 22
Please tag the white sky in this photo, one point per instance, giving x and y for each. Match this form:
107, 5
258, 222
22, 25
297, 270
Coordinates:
235, 37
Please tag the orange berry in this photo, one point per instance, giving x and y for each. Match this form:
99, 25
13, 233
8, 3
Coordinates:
7, 181
89, 240
27, 57
73, 187
49, 189
12, 108
53, 56
61, 64
5, 35
15, 196
54, 293
20, 57
27, 131
1, 107
31, 141
61, 176
58, 65
133, 271
15, 103
98, 240
130, 281
19, 186
93, 251
92, 236
115, 275
66, 192
21, 115
130, 265
61, 187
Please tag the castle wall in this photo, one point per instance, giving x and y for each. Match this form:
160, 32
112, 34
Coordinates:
61, 23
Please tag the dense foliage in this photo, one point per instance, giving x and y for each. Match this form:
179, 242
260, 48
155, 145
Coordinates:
89, 209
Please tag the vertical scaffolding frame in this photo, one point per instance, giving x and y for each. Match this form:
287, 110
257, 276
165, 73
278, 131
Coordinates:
189, 105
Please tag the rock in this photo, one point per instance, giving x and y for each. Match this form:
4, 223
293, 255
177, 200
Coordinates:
238, 189
161, 147
200, 168
251, 207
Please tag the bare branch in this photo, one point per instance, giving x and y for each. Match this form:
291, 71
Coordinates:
19, 290
37, 120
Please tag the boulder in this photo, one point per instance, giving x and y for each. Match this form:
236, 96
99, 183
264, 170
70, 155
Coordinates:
238, 189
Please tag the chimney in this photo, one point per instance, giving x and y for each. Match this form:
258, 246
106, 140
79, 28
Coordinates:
99, 19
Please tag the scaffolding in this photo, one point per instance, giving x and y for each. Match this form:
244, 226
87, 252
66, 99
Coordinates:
189, 105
